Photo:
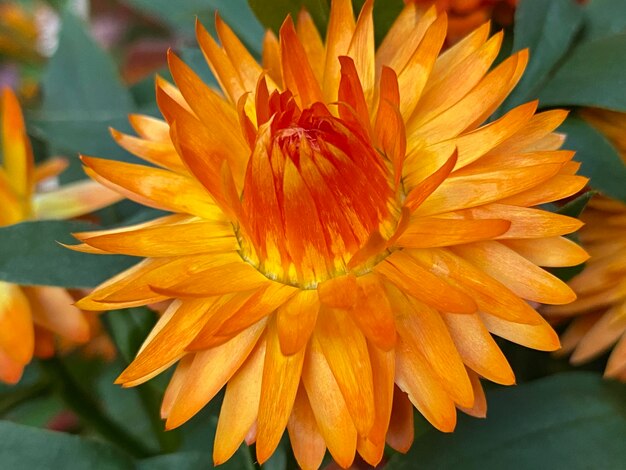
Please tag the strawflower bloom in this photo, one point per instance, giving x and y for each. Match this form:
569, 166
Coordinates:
344, 236
32, 318
599, 313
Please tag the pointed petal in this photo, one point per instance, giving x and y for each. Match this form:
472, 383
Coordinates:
416, 281
306, 441
312, 42
517, 273
209, 372
240, 406
477, 348
281, 377
73, 200
400, 433
361, 50
338, 37
479, 410
549, 252
427, 232
329, 407
345, 349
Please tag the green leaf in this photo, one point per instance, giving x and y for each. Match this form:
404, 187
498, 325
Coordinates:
575, 207
30, 254
272, 14
594, 74
600, 161
83, 97
547, 28
26, 447
181, 14
604, 18
566, 421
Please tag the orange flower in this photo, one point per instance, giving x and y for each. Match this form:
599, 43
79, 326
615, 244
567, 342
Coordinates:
600, 311
30, 316
465, 15
345, 235
18, 33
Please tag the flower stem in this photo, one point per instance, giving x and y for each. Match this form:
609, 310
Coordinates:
89, 410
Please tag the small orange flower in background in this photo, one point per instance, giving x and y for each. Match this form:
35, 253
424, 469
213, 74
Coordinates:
31, 316
599, 313
466, 15
345, 233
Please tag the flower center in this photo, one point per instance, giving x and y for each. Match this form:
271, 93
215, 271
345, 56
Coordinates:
314, 192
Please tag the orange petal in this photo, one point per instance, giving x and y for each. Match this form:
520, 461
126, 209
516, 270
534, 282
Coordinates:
490, 295
73, 200
345, 349
479, 410
477, 348
361, 50
306, 441
240, 406
400, 433
329, 406
17, 338
527, 222
422, 190
372, 446
339, 292
549, 252
423, 330
312, 42
602, 335
209, 372
541, 336
460, 192
372, 312
516, 272
10, 371
220, 64
617, 359
152, 187
169, 344
52, 167
169, 240
16, 151
414, 376
271, 57
338, 37
413, 76
298, 75
426, 232
281, 376
53, 308
416, 281
295, 321
175, 384
161, 153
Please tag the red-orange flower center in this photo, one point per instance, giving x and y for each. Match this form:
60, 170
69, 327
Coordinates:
315, 190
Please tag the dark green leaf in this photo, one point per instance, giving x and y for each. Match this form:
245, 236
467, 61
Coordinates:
272, 14
566, 421
82, 96
600, 161
605, 18
180, 15
575, 207
30, 254
26, 447
547, 28
593, 75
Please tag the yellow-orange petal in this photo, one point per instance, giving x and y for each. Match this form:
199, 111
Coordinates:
306, 441
16, 151
407, 275
478, 349
400, 433
479, 410
295, 321
17, 338
549, 252
209, 372
73, 200
517, 273
281, 376
426, 232
345, 349
340, 30
240, 406
329, 407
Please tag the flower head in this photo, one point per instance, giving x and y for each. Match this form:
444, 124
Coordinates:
345, 234
599, 313
31, 316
